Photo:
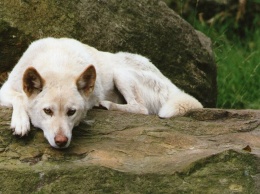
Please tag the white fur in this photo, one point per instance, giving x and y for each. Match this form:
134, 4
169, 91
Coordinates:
60, 62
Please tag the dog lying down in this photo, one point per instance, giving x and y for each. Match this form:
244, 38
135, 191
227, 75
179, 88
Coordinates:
57, 81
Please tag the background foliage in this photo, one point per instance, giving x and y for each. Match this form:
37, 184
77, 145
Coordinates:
234, 29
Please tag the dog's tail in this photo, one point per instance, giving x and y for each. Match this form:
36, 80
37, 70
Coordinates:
178, 104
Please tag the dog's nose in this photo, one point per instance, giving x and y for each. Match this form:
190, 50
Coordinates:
60, 140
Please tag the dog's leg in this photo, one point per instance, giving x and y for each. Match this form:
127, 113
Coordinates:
132, 108
20, 122
127, 86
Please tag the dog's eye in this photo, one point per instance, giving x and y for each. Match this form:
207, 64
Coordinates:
48, 111
71, 112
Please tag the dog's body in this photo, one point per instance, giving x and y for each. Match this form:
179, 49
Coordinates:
57, 81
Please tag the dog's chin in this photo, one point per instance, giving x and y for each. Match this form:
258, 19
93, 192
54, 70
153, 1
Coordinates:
59, 147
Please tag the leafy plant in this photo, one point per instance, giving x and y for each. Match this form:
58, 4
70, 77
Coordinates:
236, 44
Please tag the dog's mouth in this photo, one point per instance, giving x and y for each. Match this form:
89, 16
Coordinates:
60, 146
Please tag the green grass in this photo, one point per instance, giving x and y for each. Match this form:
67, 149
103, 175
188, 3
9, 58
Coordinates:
238, 73
238, 63
236, 45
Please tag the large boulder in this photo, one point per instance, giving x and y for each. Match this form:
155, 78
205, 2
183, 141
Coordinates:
207, 151
148, 28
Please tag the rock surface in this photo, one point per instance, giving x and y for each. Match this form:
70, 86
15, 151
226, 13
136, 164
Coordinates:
206, 151
148, 28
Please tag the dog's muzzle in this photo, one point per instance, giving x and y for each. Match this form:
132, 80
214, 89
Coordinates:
61, 140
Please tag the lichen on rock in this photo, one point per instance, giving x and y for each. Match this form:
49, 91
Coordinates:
123, 152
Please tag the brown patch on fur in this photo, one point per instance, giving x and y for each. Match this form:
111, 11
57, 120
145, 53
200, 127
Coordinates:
86, 81
32, 82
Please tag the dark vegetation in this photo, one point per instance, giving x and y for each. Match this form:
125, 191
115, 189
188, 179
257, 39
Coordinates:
234, 27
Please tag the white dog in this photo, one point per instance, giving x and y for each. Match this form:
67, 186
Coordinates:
57, 81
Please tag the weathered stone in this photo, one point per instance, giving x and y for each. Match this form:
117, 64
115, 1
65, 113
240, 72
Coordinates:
148, 28
202, 152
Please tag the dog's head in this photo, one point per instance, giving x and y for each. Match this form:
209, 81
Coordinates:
56, 104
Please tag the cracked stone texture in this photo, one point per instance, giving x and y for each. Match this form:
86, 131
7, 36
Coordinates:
206, 151
149, 28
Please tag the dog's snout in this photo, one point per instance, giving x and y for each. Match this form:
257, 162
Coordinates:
60, 140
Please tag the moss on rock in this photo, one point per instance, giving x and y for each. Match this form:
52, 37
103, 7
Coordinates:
128, 153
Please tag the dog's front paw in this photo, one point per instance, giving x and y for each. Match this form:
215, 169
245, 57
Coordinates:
20, 124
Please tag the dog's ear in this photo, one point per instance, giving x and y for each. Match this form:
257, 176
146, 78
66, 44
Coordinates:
32, 82
86, 81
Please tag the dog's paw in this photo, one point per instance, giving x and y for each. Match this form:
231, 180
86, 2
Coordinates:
105, 104
20, 125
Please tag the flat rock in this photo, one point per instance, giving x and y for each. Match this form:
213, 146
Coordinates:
206, 151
